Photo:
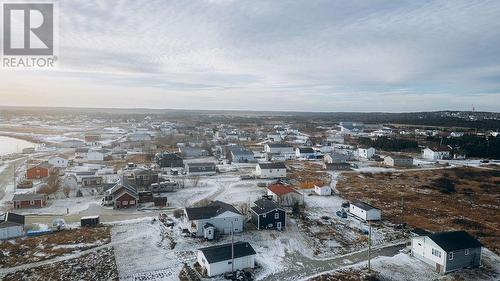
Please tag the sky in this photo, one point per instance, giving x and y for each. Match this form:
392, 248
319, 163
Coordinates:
372, 55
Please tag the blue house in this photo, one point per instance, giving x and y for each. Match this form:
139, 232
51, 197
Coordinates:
267, 214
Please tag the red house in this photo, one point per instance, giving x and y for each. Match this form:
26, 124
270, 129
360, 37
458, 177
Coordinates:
121, 196
29, 200
40, 171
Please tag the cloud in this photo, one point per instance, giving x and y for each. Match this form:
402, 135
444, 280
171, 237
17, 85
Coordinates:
274, 55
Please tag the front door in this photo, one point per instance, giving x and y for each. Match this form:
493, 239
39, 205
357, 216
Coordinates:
438, 268
278, 225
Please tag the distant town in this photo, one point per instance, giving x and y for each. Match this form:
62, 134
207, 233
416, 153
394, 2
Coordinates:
108, 194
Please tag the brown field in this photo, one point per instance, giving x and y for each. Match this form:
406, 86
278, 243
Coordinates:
309, 176
435, 200
346, 275
33, 249
98, 265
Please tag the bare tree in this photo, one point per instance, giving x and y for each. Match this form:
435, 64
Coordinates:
66, 191
53, 181
195, 180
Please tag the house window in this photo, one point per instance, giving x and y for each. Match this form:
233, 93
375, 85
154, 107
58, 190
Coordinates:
132, 202
229, 262
276, 216
32, 202
450, 256
466, 252
125, 203
436, 253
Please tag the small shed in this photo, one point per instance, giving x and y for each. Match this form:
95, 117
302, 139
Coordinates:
364, 211
323, 190
89, 221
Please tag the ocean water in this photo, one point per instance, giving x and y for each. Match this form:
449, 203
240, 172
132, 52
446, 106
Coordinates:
10, 145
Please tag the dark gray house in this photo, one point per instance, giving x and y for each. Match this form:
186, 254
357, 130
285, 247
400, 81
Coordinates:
267, 214
447, 251
201, 169
169, 160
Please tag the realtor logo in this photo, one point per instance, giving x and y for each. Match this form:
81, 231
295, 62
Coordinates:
28, 29
28, 35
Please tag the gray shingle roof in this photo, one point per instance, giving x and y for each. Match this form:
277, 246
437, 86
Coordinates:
454, 240
275, 165
213, 209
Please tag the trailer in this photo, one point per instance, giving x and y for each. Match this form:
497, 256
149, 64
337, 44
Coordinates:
89, 221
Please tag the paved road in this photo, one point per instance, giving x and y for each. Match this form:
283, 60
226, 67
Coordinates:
301, 267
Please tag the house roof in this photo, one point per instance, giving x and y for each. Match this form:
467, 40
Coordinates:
127, 187
454, 240
264, 206
197, 165
25, 197
12, 217
274, 165
81, 150
278, 145
439, 148
363, 205
306, 150
168, 156
280, 189
213, 209
399, 157
222, 252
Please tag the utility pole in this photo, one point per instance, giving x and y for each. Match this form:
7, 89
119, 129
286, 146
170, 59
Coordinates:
15, 168
232, 248
402, 215
369, 246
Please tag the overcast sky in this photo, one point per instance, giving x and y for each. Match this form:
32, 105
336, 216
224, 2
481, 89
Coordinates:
270, 55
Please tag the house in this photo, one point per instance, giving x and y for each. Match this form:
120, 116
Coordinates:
139, 136
241, 155
29, 200
142, 177
351, 127
335, 157
92, 139
279, 151
200, 169
121, 195
81, 153
193, 151
267, 214
364, 211
221, 216
337, 166
72, 143
96, 155
270, 170
323, 190
285, 195
11, 226
91, 181
305, 152
278, 148
39, 171
447, 251
366, 153
169, 160
219, 259
436, 153
58, 161
398, 161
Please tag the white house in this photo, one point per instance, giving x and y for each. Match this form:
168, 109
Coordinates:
58, 162
364, 211
201, 169
447, 251
436, 153
398, 161
219, 259
95, 155
323, 190
366, 153
270, 170
73, 143
279, 148
11, 226
305, 152
220, 215
285, 195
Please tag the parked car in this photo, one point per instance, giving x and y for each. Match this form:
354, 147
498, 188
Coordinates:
345, 204
169, 222
58, 224
342, 214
